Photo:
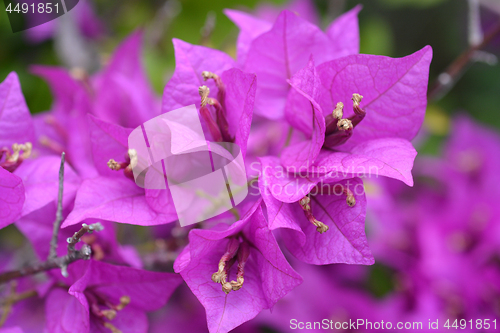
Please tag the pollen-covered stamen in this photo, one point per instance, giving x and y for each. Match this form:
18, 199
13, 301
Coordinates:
124, 301
338, 112
204, 91
127, 166
110, 313
114, 165
219, 105
231, 250
350, 199
243, 254
221, 95
305, 204
359, 113
13, 159
344, 125
339, 129
207, 117
226, 285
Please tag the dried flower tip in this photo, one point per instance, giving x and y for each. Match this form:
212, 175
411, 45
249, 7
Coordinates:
124, 301
209, 75
204, 91
320, 226
351, 201
227, 287
236, 285
356, 99
338, 112
304, 203
231, 250
26, 148
113, 165
344, 124
111, 327
16, 152
243, 254
218, 276
110, 314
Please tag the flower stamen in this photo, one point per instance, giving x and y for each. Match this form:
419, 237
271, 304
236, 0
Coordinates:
339, 129
13, 159
305, 204
206, 115
231, 250
127, 166
243, 254
350, 199
221, 95
110, 313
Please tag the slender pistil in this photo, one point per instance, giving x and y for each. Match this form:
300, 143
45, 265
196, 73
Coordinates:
305, 204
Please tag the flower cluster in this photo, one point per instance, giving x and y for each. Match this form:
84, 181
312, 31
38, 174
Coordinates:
286, 102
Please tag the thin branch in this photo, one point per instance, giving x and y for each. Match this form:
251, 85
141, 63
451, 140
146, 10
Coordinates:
163, 19
58, 262
208, 28
59, 217
447, 79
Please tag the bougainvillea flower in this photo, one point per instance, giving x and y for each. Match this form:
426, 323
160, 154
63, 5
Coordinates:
16, 137
29, 183
323, 223
261, 278
443, 235
231, 92
119, 94
25, 304
276, 54
11, 197
16, 142
300, 308
374, 138
98, 296
123, 94
113, 195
